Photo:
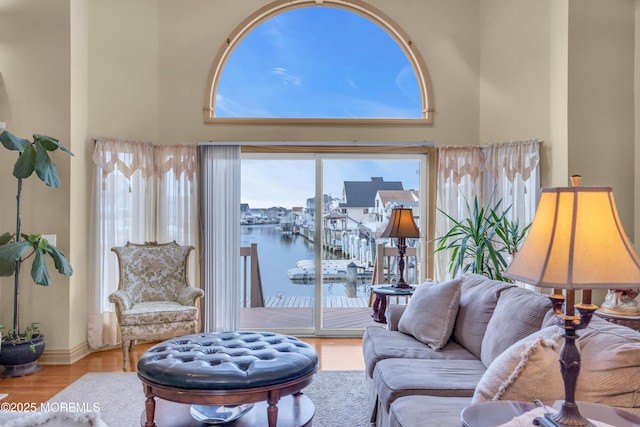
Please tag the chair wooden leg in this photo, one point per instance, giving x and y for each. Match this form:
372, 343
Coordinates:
125, 344
132, 344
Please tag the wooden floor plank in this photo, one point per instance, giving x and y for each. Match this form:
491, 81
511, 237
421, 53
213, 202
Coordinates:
333, 354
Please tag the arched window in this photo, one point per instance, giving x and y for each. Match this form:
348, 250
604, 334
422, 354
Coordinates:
318, 61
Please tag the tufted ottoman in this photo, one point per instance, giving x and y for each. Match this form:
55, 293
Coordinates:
229, 368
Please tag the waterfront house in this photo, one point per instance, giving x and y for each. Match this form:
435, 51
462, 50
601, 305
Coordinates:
359, 198
386, 200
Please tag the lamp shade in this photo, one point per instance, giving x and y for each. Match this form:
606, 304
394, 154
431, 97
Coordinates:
401, 224
576, 241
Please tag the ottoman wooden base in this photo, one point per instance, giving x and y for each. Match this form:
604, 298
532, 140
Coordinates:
294, 411
228, 368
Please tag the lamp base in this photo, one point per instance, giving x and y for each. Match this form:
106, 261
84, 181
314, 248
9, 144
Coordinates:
548, 421
569, 414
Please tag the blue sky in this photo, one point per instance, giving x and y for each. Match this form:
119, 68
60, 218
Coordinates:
312, 62
289, 183
318, 61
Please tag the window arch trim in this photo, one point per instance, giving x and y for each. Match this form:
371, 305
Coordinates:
356, 6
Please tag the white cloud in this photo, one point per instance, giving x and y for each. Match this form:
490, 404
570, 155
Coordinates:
288, 183
285, 77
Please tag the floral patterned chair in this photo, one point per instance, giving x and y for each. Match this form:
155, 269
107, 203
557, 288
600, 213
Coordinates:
154, 300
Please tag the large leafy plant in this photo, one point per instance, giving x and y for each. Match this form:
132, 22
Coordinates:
18, 247
483, 242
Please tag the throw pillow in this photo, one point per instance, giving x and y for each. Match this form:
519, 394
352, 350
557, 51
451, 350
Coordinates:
431, 313
518, 313
610, 367
527, 370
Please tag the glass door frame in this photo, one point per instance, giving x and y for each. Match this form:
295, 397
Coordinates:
425, 152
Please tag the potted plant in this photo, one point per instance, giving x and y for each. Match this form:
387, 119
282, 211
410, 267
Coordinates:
21, 348
484, 242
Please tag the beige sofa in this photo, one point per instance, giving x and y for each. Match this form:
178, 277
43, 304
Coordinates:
474, 339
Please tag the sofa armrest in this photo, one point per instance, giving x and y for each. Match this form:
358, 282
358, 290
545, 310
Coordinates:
394, 311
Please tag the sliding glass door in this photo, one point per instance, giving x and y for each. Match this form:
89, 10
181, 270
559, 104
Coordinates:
310, 229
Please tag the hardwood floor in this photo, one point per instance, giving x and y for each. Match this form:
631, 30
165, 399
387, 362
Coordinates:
333, 353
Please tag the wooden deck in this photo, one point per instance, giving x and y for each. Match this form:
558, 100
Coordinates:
309, 301
298, 312
302, 317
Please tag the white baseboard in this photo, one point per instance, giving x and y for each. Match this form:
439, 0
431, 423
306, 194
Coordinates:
64, 357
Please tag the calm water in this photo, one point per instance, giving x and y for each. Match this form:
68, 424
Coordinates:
278, 252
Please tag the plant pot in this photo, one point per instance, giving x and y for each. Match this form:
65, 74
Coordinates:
18, 359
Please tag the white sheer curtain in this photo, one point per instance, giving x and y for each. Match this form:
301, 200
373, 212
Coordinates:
220, 235
121, 210
512, 171
141, 193
459, 181
177, 199
508, 171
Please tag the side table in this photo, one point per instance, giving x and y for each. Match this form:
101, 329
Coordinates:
382, 292
497, 412
632, 322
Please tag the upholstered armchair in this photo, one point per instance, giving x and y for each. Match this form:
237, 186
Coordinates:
154, 300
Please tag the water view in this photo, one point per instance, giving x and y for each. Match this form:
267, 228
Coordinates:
278, 252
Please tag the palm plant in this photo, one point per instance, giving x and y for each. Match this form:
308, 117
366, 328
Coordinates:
483, 242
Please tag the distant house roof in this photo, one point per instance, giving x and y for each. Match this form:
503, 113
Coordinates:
398, 196
363, 193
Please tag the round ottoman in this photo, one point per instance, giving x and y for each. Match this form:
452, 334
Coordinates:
229, 368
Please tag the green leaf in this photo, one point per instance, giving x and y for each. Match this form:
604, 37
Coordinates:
45, 168
39, 272
25, 164
6, 238
60, 261
478, 242
7, 269
49, 143
9, 254
12, 142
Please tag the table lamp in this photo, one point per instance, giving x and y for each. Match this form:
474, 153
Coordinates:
576, 242
401, 226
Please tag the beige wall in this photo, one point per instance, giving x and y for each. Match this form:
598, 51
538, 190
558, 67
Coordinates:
80, 184
601, 98
636, 222
444, 32
500, 69
514, 66
35, 92
563, 71
123, 69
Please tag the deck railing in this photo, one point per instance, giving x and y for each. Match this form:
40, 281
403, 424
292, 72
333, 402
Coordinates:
250, 260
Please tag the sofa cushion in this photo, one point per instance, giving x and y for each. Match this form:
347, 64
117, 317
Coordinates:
379, 343
526, 371
411, 411
431, 313
609, 374
518, 313
477, 302
394, 378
